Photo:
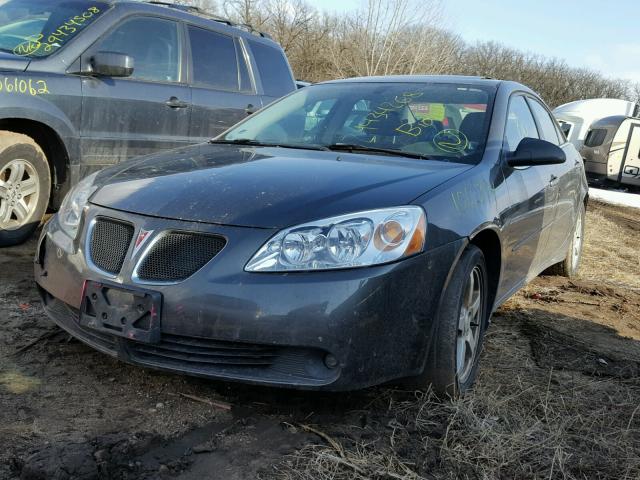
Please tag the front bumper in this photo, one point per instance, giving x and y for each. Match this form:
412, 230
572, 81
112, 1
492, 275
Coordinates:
273, 329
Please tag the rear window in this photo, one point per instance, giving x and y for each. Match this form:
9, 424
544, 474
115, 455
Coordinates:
274, 70
595, 137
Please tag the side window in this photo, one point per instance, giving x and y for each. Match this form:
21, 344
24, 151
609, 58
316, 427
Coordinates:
595, 137
152, 42
545, 122
565, 128
215, 59
520, 123
274, 70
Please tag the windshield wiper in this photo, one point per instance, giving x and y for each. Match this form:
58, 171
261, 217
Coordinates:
353, 148
256, 143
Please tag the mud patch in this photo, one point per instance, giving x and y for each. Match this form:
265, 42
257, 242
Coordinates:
235, 450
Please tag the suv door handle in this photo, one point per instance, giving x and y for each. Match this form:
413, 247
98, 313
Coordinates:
553, 178
250, 109
175, 103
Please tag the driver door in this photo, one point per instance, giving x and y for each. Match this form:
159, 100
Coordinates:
146, 112
532, 199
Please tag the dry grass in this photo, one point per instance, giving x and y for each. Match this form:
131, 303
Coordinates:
612, 250
523, 421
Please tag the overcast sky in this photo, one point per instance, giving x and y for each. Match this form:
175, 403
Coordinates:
586, 33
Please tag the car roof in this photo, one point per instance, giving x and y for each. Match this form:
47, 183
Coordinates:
193, 15
467, 80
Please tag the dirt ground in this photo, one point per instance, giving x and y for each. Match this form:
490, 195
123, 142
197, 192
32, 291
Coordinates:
558, 397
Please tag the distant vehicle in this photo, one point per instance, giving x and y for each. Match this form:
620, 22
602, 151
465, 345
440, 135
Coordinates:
323, 254
575, 118
85, 84
611, 151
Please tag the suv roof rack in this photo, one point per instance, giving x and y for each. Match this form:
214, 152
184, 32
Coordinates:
208, 15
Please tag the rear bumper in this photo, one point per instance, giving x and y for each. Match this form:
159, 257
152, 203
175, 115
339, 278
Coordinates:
272, 329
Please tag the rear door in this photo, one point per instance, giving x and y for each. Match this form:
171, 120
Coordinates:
526, 224
223, 92
563, 182
143, 113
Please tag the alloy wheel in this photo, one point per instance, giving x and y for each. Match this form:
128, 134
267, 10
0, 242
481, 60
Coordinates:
19, 193
469, 325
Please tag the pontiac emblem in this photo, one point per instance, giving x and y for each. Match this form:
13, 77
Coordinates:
143, 236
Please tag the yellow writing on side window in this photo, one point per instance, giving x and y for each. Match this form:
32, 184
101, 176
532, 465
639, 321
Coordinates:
57, 37
19, 86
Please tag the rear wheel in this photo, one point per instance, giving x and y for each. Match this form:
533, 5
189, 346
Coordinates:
24, 187
452, 366
571, 264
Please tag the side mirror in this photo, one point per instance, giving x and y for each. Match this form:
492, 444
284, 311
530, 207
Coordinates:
111, 64
533, 151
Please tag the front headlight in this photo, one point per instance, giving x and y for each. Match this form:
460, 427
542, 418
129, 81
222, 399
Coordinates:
70, 211
355, 240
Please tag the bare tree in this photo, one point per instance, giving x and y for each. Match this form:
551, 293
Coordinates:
387, 37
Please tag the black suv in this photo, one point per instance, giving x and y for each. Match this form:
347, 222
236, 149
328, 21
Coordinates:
85, 84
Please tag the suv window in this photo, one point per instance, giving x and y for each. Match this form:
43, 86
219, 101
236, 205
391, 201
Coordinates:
595, 137
520, 123
152, 42
545, 122
274, 70
215, 59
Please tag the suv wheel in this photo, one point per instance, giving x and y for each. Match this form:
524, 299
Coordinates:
24, 187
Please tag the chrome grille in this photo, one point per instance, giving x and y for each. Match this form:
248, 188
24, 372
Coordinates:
109, 243
175, 256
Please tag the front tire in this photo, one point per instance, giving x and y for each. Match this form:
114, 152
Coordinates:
571, 264
25, 185
452, 365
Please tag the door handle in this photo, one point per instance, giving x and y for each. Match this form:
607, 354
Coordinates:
553, 178
176, 103
250, 109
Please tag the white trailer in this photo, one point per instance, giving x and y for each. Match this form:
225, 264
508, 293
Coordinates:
611, 151
575, 118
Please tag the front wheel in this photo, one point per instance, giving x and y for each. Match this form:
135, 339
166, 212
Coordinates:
452, 365
24, 187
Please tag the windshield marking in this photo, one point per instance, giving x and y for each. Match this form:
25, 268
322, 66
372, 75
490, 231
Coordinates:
451, 141
34, 44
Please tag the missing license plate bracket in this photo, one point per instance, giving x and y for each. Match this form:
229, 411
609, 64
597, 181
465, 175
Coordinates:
130, 313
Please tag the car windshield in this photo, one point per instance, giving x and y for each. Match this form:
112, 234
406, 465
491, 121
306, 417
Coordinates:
38, 28
436, 121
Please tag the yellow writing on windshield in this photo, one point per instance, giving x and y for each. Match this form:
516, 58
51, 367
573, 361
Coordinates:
382, 111
451, 141
57, 37
19, 86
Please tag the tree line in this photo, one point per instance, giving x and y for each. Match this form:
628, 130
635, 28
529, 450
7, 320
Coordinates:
389, 37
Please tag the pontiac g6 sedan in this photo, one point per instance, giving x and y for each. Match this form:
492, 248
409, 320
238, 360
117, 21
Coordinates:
353, 233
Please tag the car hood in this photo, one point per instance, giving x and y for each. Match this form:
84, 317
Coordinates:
9, 61
264, 187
